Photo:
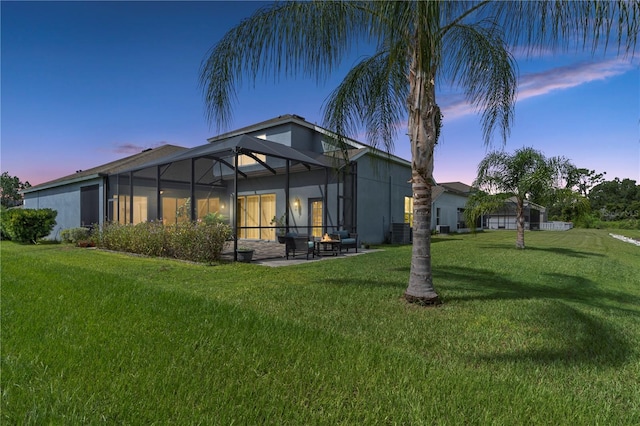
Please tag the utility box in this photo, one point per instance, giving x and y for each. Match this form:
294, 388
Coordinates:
400, 233
442, 229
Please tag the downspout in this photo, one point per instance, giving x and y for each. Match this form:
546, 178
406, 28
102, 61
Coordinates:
338, 215
131, 197
354, 203
105, 201
390, 191
325, 202
235, 206
286, 196
192, 212
158, 195
116, 203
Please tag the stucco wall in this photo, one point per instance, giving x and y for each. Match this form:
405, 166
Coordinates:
66, 201
448, 204
382, 186
303, 186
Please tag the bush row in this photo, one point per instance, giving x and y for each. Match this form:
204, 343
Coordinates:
198, 242
75, 235
592, 221
27, 225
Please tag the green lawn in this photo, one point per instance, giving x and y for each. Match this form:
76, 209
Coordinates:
548, 335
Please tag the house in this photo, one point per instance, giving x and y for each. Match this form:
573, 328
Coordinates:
505, 218
283, 167
80, 198
449, 200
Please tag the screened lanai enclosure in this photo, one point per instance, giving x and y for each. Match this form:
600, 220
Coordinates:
247, 181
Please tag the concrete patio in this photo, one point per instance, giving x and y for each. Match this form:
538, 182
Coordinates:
270, 253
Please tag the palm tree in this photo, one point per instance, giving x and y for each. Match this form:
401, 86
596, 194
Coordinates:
524, 175
419, 44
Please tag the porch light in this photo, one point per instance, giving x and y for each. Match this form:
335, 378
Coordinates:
297, 205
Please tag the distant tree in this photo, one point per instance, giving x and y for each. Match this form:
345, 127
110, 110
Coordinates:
616, 199
582, 180
10, 187
524, 175
418, 45
567, 205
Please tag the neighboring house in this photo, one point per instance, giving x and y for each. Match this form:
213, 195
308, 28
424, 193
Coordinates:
505, 218
449, 201
285, 166
80, 198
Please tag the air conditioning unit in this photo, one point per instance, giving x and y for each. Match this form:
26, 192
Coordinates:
442, 229
400, 233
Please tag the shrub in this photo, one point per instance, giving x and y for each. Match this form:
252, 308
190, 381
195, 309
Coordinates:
198, 242
28, 225
592, 221
73, 235
4, 235
216, 217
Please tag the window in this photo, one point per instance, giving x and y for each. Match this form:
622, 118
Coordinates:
315, 212
255, 212
140, 206
89, 205
206, 206
408, 210
175, 210
461, 222
437, 216
245, 160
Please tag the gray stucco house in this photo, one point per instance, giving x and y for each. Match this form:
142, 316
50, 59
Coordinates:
284, 167
80, 198
449, 201
505, 218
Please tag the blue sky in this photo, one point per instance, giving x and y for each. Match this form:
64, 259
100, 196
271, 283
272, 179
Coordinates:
85, 83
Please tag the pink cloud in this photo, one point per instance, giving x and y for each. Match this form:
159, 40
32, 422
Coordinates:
541, 83
544, 82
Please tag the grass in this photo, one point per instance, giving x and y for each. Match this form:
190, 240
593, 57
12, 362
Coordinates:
548, 335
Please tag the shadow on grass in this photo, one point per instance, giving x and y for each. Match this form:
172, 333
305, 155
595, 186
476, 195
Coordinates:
568, 337
571, 335
554, 250
444, 239
351, 282
567, 252
487, 285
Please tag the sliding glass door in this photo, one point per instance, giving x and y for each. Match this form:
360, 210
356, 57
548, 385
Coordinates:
254, 216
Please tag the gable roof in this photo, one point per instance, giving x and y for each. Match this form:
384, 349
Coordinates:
459, 187
436, 191
240, 144
111, 167
357, 149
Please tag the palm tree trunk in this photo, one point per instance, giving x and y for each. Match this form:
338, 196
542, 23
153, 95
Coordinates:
422, 134
520, 223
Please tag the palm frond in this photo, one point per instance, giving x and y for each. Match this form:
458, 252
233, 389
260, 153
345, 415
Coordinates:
290, 38
372, 95
476, 57
559, 25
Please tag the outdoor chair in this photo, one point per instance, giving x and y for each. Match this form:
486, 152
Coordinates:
347, 239
298, 244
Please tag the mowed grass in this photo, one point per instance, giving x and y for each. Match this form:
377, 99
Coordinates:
548, 335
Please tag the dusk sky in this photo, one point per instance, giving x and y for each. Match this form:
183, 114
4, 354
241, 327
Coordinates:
85, 83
